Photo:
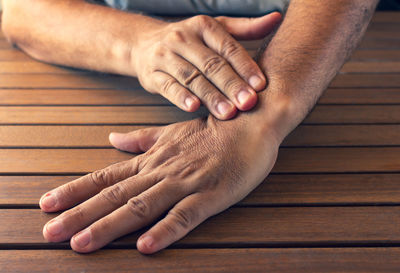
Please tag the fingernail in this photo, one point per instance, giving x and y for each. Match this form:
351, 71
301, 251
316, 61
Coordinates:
256, 82
147, 241
243, 96
224, 108
48, 201
82, 239
54, 228
189, 102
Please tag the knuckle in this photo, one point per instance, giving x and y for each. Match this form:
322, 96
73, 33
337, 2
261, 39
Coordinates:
188, 76
116, 195
100, 178
167, 86
213, 65
204, 21
176, 36
184, 218
212, 98
232, 84
138, 207
230, 48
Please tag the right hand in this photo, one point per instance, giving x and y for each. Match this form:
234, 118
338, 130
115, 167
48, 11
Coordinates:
198, 60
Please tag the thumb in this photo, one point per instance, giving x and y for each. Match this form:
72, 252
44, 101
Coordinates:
250, 28
136, 141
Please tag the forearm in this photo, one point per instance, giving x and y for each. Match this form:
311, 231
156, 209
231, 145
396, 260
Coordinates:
75, 33
314, 40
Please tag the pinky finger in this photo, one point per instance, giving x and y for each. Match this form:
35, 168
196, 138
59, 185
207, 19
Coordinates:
180, 220
172, 90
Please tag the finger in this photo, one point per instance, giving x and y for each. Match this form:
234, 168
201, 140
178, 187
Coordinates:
220, 41
218, 71
190, 77
87, 186
180, 220
68, 223
250, 28
138, 141
172, 90
137, 213
215, 102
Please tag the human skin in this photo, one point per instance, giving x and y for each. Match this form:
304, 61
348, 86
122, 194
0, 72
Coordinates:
198, 168
188, 62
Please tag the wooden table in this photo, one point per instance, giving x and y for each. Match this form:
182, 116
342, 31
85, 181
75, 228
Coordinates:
331, 203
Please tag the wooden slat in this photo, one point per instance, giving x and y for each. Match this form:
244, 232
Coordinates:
376, 55
371, 67
59, 136
80, 97
366, 80
141, 97
276, 190
290, 160
118, 82
36, 67
358, 96
59, 160
100, 81
269, 226
352, 114
322, 114
386, 17
93, 115
343, 135
277, 260
97, 136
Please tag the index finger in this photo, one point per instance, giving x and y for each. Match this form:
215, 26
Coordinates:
219, 40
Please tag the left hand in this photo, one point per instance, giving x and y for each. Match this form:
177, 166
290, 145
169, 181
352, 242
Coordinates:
193, 170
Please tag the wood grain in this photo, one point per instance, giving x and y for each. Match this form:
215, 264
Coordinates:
269, 226
381, 55
371, 67
95, 115
276, 190
135, 115
104, 81
276, 260
36, 67
139, 96
290, 160
359, 96
97, 135
81, 97
62, 81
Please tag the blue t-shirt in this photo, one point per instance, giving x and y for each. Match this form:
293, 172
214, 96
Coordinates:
192, 7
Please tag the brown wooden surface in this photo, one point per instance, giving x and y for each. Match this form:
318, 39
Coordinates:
299, 260
335, 185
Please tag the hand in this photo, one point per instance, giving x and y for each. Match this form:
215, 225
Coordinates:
197, 59
192, 170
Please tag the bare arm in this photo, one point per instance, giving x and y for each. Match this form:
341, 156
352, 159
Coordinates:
188, 62
311, 45
199, 168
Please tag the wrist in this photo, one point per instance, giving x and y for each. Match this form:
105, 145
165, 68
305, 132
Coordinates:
276, 113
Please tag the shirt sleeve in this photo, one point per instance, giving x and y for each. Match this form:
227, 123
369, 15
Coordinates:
209, 7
